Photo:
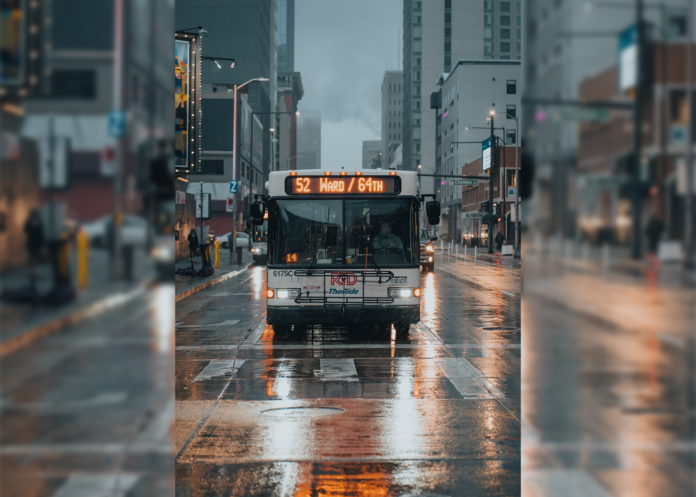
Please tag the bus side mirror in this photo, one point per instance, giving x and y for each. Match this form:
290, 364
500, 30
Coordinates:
257, 210
432, 208
434, 221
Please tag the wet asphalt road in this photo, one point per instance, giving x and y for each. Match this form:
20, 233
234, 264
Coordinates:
88, 411
335, 411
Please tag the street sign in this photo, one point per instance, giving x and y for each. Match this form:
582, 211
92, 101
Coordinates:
511, 191
233, 186
628, 58
486, 154
117, 123
230, 205
464, 182
473, 215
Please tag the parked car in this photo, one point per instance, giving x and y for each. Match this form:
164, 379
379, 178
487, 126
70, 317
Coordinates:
133, 232
243, 240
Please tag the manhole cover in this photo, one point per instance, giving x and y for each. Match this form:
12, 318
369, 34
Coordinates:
301, 412
501, 329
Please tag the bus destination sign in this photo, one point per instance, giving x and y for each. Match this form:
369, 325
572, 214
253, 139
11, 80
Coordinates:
342, 185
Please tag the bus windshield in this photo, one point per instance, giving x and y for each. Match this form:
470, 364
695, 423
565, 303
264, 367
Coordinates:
345, 232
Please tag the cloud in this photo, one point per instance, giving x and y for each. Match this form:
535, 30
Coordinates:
342, 49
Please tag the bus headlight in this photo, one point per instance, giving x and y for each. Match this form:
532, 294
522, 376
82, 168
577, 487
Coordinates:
429, 248
290, 293
253, 250
430, 259
404, 293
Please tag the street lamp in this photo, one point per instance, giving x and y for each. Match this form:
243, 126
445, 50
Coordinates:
291, 158
215, 59
201, 32
517, 186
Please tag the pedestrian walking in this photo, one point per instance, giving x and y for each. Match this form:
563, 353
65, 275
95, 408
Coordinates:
654, 231
499, 239
34, 230
193, 243
230, 244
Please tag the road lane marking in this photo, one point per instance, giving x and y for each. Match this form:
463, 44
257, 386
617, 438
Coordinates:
462, 379
480, 377
344, 369
98, 485
354, 346
566, 482
508, 293
255, 335
219, 367
159, 431
227, 322
672, 340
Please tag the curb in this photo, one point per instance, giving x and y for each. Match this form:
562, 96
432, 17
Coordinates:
203, 286
110, 302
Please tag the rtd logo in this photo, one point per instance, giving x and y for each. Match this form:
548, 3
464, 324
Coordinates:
338, 279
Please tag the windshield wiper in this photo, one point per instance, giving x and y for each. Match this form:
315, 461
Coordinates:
323, 244
370, 256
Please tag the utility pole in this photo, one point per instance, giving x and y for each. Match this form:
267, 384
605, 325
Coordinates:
490, 186
116, 263
636, 249
689, 197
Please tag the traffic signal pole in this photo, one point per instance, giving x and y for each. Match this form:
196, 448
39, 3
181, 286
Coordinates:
490, 188
636, 249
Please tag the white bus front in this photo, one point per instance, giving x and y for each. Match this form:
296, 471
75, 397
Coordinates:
343, 249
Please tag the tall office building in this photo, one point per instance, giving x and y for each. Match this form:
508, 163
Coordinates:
371, 154
502, 30
437, 33
392, 94
286, 35
245, 31
309, 139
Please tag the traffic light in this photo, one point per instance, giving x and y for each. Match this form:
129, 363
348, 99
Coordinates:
484, 205
496, 206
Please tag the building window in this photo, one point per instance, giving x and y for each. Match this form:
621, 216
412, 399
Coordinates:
519, 7
448, 18
488, 20
504, 6
512, 87
519, 46
505, 57
511, 111
505, 34
488, 5
448, 32
417, 5
488, 48
213, 167
519, 34
504, 47
510, 137
74, 83
448, 46
504, 20
487, 33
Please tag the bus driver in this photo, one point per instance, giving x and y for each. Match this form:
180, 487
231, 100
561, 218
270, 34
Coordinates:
386, 240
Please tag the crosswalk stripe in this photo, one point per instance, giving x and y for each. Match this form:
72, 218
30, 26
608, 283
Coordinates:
219, 367
354, 346
338, 368
462, 379
97, 485
567, 482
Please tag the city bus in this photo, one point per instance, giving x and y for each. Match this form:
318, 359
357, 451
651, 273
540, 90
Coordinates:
343, 247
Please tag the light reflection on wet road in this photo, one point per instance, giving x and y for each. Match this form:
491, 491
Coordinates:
89, 409
336, 411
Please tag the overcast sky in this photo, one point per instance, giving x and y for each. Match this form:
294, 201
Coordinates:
342, 48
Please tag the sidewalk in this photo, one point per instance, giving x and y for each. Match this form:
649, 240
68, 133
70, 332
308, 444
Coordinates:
481, 255
22, 323
186, 285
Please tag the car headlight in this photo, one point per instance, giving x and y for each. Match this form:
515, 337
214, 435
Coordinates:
290, 293
404, 293
429, 248
253, 250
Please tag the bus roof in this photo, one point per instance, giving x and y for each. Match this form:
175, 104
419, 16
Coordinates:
276, 180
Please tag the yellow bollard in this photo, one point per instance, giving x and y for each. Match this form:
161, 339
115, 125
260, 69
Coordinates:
217, 253
82, 259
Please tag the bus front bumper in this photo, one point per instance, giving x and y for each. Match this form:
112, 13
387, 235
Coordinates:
348, 315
